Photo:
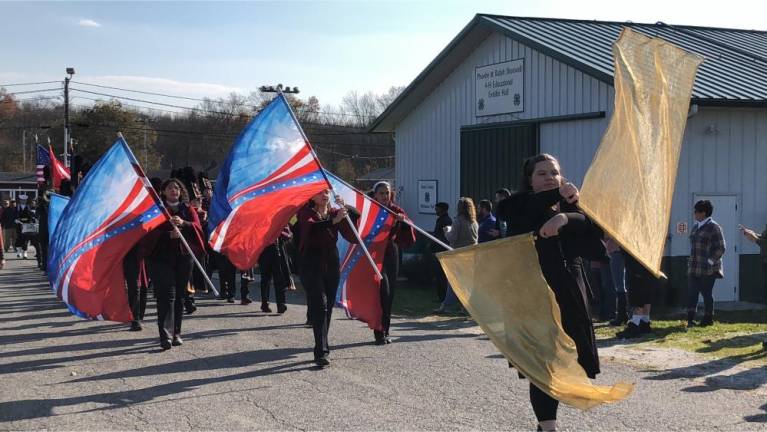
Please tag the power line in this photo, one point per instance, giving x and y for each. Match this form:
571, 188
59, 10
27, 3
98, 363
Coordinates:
201, 110
30, 99
154, 103
139, 91
255, 108
25, 84
33, 91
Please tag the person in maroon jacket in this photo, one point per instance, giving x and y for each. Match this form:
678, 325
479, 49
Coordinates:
318, 228
170, 264
402, 236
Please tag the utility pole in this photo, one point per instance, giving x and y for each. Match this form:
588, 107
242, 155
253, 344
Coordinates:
24, 150
144, 121
70, 72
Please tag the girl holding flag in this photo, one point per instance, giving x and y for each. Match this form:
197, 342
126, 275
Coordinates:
546, 205
317, 228
401, 235
170, 264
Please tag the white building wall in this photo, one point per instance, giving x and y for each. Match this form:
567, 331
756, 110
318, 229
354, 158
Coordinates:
428, 139
723, 153
728, 161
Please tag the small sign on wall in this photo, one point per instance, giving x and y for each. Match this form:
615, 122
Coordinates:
681, 228
500, 88
427, 196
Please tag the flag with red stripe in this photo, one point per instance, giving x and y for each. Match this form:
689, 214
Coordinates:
269, 174
111, 210
58, 171
359, 290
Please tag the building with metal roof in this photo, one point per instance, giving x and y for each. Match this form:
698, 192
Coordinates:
452, 142
13, 184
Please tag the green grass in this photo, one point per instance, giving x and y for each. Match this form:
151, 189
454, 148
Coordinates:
736, 336
414, 300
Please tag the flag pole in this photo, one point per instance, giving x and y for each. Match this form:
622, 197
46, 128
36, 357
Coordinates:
407, 220
158, 201
322, 170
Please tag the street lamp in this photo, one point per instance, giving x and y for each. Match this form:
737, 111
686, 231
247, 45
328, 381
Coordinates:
70, 71
279, 89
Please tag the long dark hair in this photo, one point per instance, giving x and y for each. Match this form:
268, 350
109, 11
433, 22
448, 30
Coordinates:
184, 198
529, 166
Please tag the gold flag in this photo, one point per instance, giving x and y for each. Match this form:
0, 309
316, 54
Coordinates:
501, 284
629, 187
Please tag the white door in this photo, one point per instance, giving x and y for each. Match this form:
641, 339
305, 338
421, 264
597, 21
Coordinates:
726, 215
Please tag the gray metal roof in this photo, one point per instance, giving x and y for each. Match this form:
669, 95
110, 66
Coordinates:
17, 177
734, 71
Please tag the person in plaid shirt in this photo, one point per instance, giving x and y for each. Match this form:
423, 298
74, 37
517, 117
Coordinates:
705, 265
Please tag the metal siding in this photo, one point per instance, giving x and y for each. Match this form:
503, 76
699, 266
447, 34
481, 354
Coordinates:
725, 163
428, 138
734, 68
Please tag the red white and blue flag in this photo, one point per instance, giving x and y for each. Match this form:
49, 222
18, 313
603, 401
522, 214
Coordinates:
113, 207
269, 174
46, 157
56, 207
359, 290
58, 171
43, 160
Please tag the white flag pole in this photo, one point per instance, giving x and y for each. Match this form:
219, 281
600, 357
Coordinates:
322, 170
159, 202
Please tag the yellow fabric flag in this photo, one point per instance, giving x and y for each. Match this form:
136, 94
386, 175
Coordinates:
501, 284
629, 187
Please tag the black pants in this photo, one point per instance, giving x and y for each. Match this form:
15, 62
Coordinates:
440, 279
388, 285
544, 406
703, 285
227, 274
321, 287
23, 240
136, 291
42, 251
271, 267
170, 282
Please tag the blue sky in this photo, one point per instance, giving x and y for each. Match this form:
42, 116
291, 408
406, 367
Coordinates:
326, 48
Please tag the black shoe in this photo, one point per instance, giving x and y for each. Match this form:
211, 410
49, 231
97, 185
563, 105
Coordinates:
177, 341
322, 362
246, 301
136, 326
265, 308
230, 299
165, 344
644, 327
190, 308
707, 321
618, 321
381, 341
691, 324
630, 332
281, 308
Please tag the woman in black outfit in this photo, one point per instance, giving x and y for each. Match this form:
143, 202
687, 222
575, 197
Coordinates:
318, 227
170, 264
546, 205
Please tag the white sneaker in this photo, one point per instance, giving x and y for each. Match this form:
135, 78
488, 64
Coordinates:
18, 253
24, 255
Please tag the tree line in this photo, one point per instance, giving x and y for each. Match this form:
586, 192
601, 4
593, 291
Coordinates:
199, 137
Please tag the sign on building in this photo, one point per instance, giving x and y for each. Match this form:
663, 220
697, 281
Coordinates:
500, 88
427, 196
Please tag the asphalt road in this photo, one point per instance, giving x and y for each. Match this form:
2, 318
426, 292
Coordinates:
241, 369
